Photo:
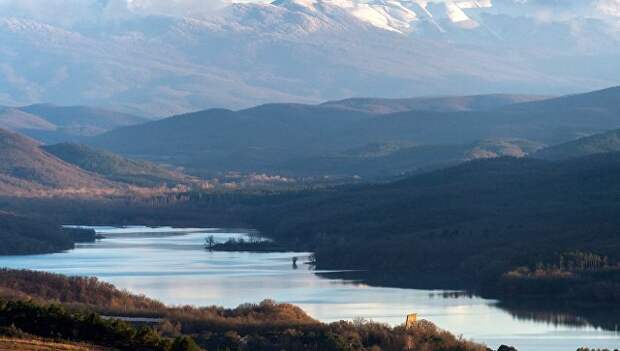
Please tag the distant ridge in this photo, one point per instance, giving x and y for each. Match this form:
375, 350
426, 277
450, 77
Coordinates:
82, 120
437, 104
595, 144
270, 138
15, 119
50, 123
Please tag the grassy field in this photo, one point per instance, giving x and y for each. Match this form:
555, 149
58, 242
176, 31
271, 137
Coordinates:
13, 344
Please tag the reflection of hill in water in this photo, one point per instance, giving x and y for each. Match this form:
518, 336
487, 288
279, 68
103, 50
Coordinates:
606, 317
400, 279
557, 313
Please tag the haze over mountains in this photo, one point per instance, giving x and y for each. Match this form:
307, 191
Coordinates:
51, 123
350, 138
140, 59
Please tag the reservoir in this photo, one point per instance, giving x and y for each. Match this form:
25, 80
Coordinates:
171, 265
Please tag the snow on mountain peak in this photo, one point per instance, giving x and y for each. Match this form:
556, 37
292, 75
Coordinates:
395, 15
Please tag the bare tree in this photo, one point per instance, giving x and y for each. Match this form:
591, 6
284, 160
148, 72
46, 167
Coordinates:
210, 242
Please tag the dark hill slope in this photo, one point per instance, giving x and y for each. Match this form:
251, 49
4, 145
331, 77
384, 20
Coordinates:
115, 167
387, 160
595, 144
436, 104
477, 220
549, 121
216, 140
24, 235
262, 138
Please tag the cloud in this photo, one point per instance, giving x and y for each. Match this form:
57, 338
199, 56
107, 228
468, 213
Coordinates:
609, 7
69, 12
174, 7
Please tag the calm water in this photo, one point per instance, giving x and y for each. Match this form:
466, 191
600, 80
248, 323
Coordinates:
172, 266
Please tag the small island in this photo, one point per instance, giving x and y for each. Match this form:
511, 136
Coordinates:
252, 244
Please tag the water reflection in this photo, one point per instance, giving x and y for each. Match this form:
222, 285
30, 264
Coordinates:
173, 266
559, 313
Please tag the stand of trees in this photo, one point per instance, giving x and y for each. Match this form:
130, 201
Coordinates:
29, 303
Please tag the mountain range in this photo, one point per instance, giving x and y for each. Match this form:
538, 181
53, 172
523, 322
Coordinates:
334, 138
164, 63
51, 123
596, 144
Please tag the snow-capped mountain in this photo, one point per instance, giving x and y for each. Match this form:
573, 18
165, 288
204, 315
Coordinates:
394, 15
158, 62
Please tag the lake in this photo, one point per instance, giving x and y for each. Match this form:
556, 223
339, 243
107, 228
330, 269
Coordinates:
171, 265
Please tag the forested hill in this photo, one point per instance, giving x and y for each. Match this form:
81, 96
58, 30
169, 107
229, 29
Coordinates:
28, 235
437, 104
115, 167
595, 144
275, 138
478, 220
25, 169
36, 305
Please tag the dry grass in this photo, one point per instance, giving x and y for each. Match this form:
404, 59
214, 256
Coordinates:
13, 344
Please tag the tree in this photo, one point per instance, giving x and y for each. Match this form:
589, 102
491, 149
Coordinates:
184, 343
210, 242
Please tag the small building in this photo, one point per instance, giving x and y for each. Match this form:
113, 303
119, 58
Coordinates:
411, 320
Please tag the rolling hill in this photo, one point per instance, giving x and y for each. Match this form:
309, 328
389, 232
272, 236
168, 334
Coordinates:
264, 138
472, 223
82, 120
218, 140
436, 104
595, 144
72, 122
15, 119
25, 169
116, 168
50, 123
388, 160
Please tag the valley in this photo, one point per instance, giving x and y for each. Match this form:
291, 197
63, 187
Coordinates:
310, 175
156, 261
501, 206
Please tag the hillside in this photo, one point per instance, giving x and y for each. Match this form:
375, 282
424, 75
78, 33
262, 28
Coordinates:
26, 307
265, 138
436, 104
116, 168
37, 344
595, 144
25, 169
82, 120
51, 124
15, 119
473, 222
387, 160
22, 235
216, 140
